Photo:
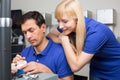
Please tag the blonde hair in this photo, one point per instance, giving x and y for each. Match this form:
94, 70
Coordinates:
73, 9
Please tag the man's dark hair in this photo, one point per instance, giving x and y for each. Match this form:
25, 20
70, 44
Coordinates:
35, 16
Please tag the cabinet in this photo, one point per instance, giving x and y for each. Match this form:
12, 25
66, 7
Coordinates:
18, 43
87, 13
17, 48
48, 18
48, 21
54, 20
106, 16
17, 37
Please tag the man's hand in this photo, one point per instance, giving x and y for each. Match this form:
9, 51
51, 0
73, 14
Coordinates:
34, 67
17, 62
13, 68
17, 58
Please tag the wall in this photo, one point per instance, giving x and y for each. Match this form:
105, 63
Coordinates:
93, 5
49, 6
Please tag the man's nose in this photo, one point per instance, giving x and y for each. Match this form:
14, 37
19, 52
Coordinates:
28, 35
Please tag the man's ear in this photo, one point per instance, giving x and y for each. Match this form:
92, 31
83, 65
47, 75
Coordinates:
43, 27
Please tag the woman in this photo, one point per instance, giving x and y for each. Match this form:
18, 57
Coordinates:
86, 40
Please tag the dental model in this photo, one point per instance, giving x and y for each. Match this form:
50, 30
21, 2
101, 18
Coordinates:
18, 65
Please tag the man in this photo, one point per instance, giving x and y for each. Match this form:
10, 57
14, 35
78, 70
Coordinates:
43, 55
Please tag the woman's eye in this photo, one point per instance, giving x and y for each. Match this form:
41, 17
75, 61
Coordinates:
65, 21
58, 20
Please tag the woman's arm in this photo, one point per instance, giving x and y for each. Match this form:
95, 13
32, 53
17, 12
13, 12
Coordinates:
54, 35
75, 61
67, 78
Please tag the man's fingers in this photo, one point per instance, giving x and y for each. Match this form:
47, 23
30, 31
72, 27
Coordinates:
17, 58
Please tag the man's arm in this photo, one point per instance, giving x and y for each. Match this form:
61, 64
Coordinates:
34, 67
17, 62
67, 78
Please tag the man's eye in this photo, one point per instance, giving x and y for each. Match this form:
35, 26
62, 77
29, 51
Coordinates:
31, 30
24, 32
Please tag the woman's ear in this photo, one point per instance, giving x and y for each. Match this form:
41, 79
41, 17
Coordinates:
76, 20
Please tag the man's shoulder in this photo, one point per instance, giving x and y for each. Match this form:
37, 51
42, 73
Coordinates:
55, 44
56, 47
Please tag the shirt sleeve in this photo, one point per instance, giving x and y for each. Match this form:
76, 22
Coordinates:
63, 69
95, 39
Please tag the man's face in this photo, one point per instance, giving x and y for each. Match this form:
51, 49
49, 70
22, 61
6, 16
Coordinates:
33, 33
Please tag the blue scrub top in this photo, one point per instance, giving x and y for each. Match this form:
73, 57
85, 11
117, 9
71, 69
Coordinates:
101, 41
52, 56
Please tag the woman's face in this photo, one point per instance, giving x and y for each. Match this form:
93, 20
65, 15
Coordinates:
67, 24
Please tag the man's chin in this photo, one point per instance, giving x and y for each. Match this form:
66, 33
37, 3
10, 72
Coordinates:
34, 45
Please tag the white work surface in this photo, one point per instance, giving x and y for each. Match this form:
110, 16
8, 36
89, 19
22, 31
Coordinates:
44, 76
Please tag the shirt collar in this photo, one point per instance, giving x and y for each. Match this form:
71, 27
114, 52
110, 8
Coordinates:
46, 50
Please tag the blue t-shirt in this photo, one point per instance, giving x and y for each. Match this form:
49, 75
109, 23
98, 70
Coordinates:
52, 56
101, 41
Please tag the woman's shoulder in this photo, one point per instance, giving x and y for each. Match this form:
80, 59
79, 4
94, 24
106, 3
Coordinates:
91, 22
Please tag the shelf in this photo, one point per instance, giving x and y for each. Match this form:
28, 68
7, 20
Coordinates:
18, 44
17, 48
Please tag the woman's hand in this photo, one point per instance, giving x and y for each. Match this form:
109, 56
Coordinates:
34, 67
63, 38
